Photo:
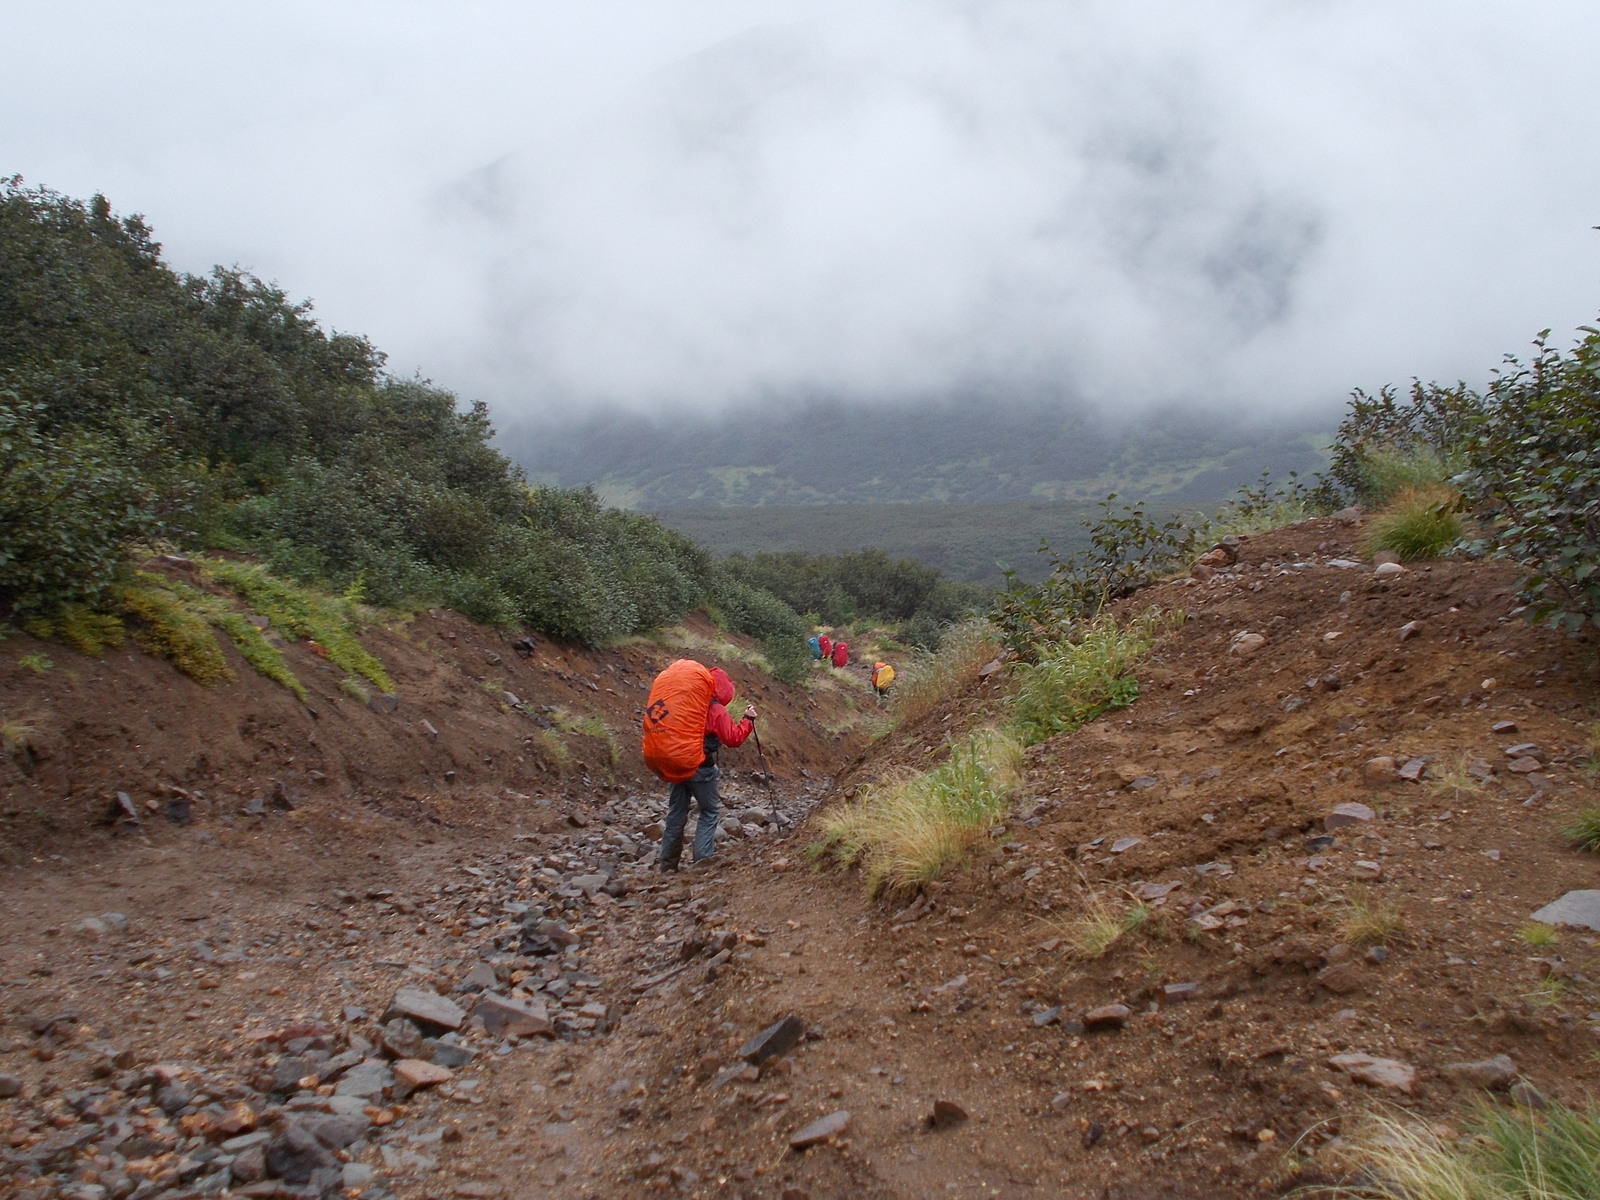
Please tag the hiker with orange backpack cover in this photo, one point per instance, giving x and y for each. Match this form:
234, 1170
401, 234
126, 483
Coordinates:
720, 730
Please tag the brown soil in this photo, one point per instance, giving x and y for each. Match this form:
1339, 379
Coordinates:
386, 876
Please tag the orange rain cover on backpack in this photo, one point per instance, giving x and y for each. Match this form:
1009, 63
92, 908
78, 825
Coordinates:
675, 721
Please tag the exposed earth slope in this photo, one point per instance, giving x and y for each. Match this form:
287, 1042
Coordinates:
259, 950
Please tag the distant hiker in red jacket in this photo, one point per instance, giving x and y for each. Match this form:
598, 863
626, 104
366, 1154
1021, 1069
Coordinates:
825, 644
720, 731
841, 654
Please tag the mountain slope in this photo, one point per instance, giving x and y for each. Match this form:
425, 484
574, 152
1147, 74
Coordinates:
980, 451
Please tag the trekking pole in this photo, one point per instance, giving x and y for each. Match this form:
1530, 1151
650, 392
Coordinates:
766, 770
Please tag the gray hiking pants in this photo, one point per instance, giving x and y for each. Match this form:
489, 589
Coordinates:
703, 789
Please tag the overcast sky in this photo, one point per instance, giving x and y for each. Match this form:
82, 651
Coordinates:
556, 205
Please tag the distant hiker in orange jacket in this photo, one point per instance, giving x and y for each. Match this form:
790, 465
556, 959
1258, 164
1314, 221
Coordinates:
721, 731
841, 654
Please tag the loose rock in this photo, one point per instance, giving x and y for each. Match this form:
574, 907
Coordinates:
774, 1041
1580, 908
1107, 1016
1386, 1073
1496, 1074
512, 1015
821, 1130
1349, 813
425, 1008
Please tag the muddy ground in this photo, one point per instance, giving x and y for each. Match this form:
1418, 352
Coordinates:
226, 1033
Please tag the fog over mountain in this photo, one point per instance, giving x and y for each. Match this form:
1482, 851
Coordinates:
703, 206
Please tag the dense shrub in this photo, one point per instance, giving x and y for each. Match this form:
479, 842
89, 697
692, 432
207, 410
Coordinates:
1524, 456
1385, 444
1535, 474
760, 614
70, 501
215, 412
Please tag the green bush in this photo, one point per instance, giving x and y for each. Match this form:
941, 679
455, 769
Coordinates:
1535, 475
1525, 456
214, 412
1384, 444
1127, 548
760, 614
71, 503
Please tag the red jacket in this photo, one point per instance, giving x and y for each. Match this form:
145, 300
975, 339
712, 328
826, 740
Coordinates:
722, 729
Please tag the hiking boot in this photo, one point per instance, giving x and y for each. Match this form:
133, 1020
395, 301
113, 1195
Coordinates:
667, 868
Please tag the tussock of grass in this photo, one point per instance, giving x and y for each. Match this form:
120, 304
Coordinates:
330, 621
1371, 921
1581, 829
907, 832
1538, 934
925, 681
1508, 1154
590, 727
17, 733
37, 663
1078, 680
1418, 523
1101, 924
1456, 783
548, 744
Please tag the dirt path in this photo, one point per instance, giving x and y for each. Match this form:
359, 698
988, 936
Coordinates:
229, 1037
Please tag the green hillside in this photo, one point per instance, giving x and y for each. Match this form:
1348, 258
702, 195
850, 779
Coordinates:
963, 541
981, 450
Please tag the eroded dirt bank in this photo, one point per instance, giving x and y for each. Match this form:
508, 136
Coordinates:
258, 959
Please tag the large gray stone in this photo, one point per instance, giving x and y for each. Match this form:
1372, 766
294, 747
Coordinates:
296, 1154
512, 1015
425, 1008
368, 1080
1581, 908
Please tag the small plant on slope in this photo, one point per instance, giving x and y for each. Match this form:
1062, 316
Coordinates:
1075, 680
1508, 1154
1581, 829
1419, 523
17, 734
928, 680
1101, 924
908, 832
1371, 922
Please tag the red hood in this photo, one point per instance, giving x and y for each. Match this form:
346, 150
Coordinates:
721, 686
